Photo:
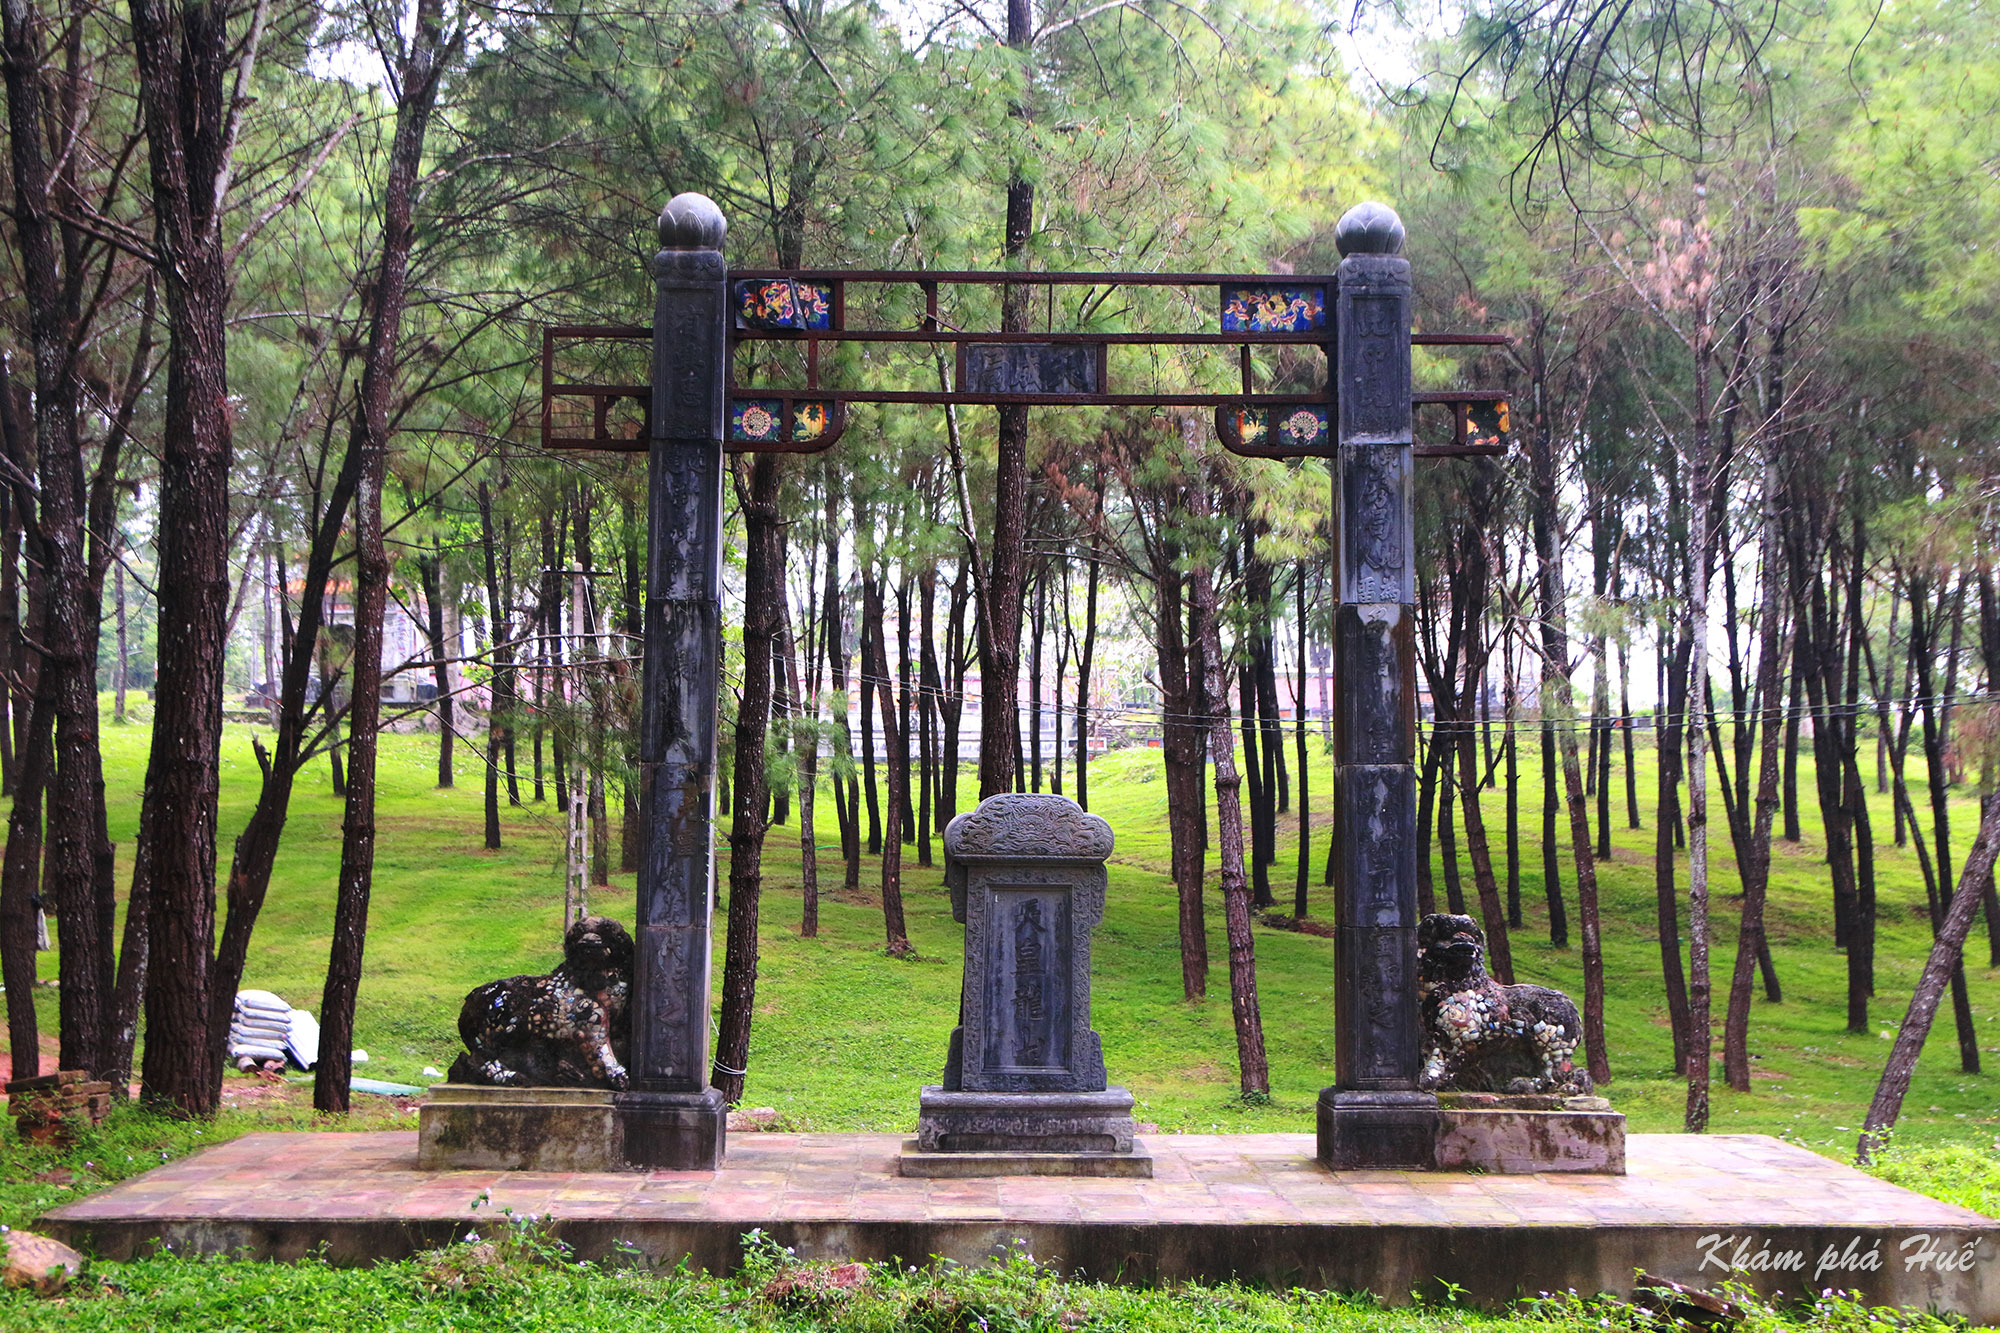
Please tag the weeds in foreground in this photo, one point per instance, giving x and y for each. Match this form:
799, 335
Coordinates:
515, 1274
1961, 1173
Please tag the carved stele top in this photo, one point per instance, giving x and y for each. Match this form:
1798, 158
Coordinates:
1019, 826
692, 222
1369, 229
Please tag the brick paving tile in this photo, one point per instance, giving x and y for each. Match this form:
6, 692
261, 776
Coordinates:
866, 1209
1040, 1210
1720, 1180
815, 1205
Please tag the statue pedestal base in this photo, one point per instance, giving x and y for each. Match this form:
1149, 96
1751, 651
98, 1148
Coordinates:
1360, 1131
1469, 1131
466, 1127
673, 1131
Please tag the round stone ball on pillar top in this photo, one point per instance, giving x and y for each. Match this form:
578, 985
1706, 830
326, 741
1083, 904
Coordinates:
692, 221
1369, 229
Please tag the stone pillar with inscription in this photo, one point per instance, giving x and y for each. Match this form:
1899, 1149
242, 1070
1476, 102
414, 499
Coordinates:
1024, 1088
672, 1119
1375, 1115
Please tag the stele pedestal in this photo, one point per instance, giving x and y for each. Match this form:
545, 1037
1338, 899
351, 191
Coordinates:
1024, 1090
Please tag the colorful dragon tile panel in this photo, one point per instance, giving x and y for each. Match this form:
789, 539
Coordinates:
783, 303
1273, 309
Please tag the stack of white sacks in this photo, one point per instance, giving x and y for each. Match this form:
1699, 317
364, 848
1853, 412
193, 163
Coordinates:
265, 1028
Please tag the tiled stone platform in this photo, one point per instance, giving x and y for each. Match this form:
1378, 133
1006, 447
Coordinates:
1249, 1206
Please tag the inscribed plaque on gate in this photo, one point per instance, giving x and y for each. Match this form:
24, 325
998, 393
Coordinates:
1030, 368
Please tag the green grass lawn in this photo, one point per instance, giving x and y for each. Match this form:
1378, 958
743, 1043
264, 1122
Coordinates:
845, 1035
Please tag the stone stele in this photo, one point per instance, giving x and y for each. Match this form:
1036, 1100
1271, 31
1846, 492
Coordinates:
1024, 1090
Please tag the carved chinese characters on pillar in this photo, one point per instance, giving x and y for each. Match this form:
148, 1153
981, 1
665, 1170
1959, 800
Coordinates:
690, 409
1386, 999
1375, 712
1375, 854
1376, 535
689, 345
1374, 382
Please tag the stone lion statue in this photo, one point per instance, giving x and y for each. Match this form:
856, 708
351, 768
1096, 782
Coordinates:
1481, 1036
568, 1029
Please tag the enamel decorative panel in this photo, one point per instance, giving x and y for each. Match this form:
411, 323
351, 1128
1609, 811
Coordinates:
1302, 427
783, 303
1273, 309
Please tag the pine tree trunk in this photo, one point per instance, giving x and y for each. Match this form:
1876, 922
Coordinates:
13, 700
1264, 674
1182, 736
1861, 959
904, 704
499, 705
430, 576
874, 686
20, 880
123, 667
833, 629
67, 642
894, 930
1427, 796
806, 734
1469, 596
1557, 699
1923, 644
1511, 744
256, 849
1989, 652
421, 69
1000, 612
1600, 723
1946, 960
131, 983
1791, 788
1084, 661
1447, 830
1065, 645
1756, 862
1260, 795
951, 704
1702, 511
1038, 632
1961, 1001
1299, 747
763, 593
181, 56
1625, 725
928, 684
1252, 1066
1551, 846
